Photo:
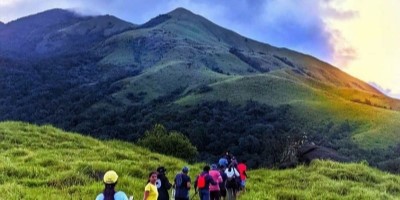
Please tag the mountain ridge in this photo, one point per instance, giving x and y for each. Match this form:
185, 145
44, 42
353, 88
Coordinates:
245, 44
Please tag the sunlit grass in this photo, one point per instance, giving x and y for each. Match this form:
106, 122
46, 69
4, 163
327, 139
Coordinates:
323, 180
377, 126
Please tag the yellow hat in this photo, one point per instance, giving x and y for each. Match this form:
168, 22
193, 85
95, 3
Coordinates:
110, 177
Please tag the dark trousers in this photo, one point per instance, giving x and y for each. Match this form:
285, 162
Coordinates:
204, 194
178, 198
223, 193
215, 195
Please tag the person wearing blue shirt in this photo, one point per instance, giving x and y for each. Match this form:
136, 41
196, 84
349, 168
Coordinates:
223, 162
182, 185
110, 180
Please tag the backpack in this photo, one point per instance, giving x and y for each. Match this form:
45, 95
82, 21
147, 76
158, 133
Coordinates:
201, 181
231, 183
178, 180
158, 183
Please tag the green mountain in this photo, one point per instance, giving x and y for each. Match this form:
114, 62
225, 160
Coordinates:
42, 162
108, 78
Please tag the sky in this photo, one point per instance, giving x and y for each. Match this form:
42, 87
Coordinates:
361, 37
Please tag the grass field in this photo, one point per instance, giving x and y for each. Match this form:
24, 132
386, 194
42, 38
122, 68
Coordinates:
47, 163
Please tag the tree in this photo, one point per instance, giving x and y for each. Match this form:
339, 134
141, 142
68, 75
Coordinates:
172, 143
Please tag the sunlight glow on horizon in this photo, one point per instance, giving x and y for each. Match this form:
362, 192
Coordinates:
371, 41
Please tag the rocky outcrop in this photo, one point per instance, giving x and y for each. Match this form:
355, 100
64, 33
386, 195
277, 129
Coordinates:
308, 152
305, 153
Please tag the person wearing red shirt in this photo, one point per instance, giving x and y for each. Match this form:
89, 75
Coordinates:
242, 168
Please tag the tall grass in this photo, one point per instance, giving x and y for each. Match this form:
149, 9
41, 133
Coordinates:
47, 163
323, 180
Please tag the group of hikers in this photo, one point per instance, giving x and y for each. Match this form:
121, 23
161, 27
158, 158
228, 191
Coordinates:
219, 181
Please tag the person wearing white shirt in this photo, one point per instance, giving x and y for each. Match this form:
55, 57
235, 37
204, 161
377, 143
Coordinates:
232, 181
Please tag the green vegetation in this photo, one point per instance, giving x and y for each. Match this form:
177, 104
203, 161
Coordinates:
47, 163
173, 143
324, 180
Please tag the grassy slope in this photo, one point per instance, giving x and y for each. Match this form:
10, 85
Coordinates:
312, 103
47, 163
324, 180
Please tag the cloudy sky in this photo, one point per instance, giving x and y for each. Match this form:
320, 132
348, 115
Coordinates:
361, 37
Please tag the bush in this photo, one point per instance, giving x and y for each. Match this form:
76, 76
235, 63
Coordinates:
173, 143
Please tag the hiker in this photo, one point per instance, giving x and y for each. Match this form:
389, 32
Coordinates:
150, 191
182, 185
163, 184
110, 179
233, 161
214, 189
223, 161
222, 184
228, 156
202, 183
242, 168
231, 182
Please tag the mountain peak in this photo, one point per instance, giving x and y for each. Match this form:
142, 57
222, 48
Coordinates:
180, 11
55, 11
46, 18
185, 14
179, 14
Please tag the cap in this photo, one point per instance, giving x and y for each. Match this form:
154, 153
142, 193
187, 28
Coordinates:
110, 177
185, 169
161, 169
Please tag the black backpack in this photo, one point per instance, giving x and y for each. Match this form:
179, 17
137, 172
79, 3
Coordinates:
179, 180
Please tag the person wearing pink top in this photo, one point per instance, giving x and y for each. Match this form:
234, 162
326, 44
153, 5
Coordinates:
214, 189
